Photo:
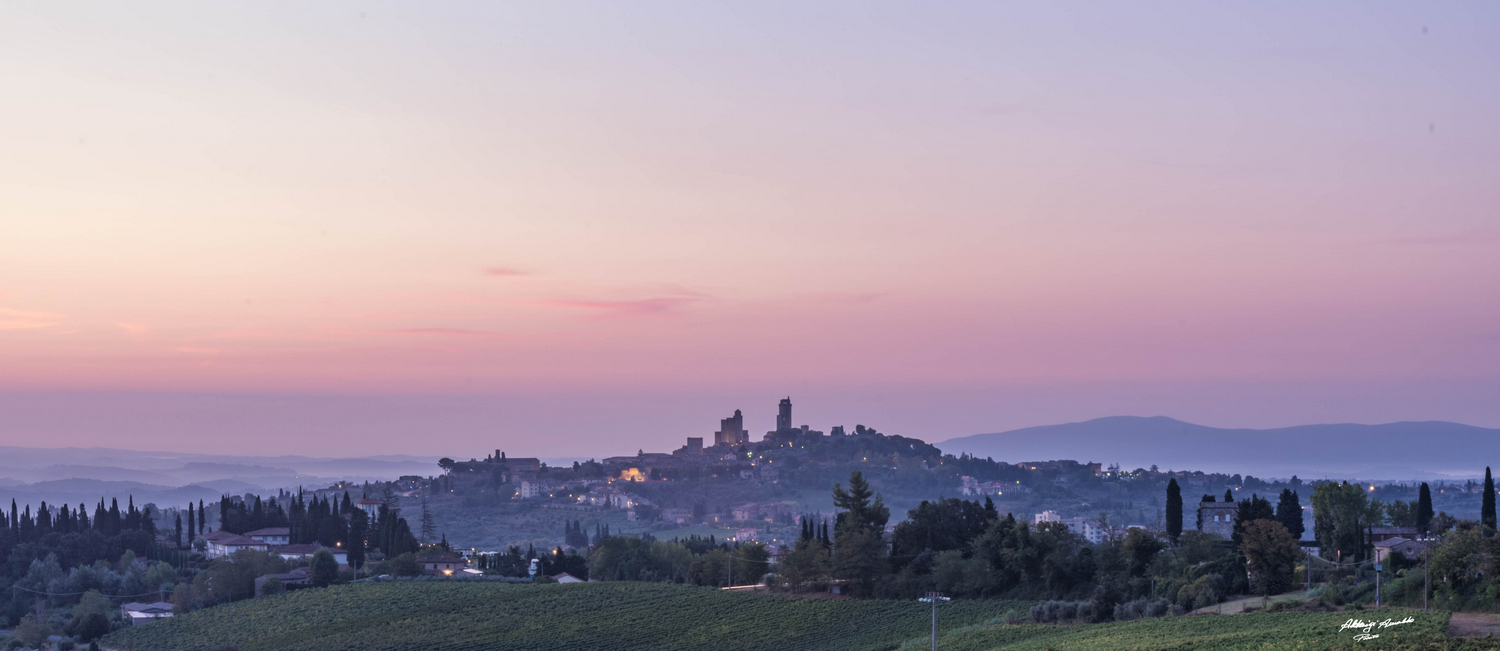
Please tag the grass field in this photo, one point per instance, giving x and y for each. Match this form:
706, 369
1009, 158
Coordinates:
1278, 631
410, 615
481, 615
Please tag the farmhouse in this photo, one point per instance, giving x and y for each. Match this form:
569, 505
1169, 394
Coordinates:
223, 543
443, 565
271, 535
138, 613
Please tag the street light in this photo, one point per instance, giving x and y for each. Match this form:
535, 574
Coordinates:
934, 598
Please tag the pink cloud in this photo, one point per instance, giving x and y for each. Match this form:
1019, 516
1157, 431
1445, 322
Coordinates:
503, 271
446, 332
643, 307
27, 320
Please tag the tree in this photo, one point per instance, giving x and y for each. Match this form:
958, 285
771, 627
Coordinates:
429, 529
359, 529
939, 526
1289, 513
806, 564
1487, 510
1270, 555
859, 534
177, 533
31, 632
1424, 509
446, 464
860, 511
1340, 514
1174, 509
324, 568
1228, 495
1255, 508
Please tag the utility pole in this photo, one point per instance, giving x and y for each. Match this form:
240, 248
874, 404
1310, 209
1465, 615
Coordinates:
934, 598
1426, 575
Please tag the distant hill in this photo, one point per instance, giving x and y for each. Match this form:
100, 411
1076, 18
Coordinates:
1403, 450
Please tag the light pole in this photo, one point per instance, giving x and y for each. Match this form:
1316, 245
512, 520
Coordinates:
934, 598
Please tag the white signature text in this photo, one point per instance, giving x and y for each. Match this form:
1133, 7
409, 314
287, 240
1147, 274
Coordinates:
1365, 627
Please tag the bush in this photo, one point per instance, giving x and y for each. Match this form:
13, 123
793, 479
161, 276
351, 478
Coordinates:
404, 565
92, 627
1057, 612
1142, 609
324, 569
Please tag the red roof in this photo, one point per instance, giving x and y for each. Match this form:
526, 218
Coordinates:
270, 531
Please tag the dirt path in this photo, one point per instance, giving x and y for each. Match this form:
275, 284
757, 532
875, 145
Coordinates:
1473, 625
1237, 606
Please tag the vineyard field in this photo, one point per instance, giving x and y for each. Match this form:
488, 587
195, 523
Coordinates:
403, 616
1279, 631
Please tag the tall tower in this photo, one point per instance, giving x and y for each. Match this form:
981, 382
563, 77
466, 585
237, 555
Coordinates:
784, 414
732, 430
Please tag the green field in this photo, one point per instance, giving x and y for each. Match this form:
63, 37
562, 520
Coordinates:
1278, 631
410, 615
483, 615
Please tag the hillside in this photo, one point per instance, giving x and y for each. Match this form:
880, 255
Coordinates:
1390, 451
1282, 631
395, 616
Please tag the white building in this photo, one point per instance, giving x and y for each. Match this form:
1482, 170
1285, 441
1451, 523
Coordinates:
223, 543
370, 507
139, 613
530, 489
1047, 516
272, 535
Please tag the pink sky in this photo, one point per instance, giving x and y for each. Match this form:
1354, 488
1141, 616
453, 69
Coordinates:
668, 205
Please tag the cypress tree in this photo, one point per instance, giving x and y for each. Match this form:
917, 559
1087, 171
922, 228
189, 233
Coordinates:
1487, 511
1174, 509
192, 522
1424, 509
1228, 495
1289, 513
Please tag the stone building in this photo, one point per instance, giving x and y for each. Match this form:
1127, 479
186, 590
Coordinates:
1217, 518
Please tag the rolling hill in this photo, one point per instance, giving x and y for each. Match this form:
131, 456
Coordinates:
436, 615
1403, 450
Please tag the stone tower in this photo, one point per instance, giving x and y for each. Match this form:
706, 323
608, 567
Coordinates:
784, 414
732, 431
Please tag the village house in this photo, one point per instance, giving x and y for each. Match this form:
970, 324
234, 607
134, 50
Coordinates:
1410, 549
298, 576
1217, 517
223, 543
676, 515
369, 506
139, 613
1379, 534
271, 535
305, 553
566, 578
443, 565
531, 489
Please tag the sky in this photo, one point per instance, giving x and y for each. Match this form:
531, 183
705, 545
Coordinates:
582, 229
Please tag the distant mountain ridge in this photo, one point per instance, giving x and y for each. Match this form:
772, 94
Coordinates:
1403, 450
